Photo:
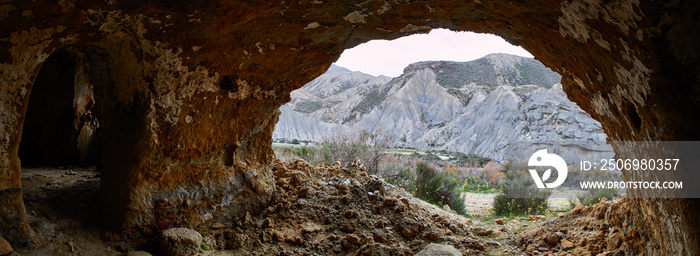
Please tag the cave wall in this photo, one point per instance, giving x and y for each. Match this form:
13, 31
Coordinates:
187, 93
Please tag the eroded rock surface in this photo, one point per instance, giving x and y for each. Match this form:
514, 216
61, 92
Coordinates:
187, 92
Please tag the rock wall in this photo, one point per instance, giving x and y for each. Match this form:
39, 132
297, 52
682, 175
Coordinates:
187, 92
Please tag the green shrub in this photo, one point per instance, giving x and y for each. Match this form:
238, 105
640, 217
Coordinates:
307, 153
325, 153
430, 157
437, 188
400, 177
474, 184
288, 153
594, 195
295, 141
576, 176
520, 194
471, 159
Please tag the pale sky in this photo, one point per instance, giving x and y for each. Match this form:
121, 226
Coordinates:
389, 58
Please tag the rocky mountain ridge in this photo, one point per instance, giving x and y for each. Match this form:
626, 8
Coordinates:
482, 106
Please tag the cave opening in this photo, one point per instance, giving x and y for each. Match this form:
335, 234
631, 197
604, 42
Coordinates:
460, 100
59, 147
59, 126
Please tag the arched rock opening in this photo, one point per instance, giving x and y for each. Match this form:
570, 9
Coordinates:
183, 148
59, 126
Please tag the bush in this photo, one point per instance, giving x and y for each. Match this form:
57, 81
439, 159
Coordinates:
474, 184
295, 141
594, 196
400, 177
520, 195
471, 159
437, 188
307, 153
576, 176
366, 147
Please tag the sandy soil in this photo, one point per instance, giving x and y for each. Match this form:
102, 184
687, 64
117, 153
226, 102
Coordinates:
478, 204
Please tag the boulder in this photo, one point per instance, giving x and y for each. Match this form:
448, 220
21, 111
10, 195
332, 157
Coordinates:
180, 241
439, 250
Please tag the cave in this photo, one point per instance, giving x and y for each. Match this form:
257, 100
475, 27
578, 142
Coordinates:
59, 124
59, 150
189, 92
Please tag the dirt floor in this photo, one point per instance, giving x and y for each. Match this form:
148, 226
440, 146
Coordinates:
324, 210
63, 205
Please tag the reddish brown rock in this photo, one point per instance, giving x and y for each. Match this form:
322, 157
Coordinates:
431, 236
354, 239
566, 244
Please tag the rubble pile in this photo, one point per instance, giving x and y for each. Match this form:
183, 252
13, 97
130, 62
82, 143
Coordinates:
331, 209
611, 227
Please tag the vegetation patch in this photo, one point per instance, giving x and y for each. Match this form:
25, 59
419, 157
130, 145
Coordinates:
371, 100
308, 106
520, 195
464, 98
594, 196
533, 72
470, 159
430, 185
476, 185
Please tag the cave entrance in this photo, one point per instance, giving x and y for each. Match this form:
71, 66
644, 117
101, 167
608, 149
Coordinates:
59, 127
58, 149
459, 100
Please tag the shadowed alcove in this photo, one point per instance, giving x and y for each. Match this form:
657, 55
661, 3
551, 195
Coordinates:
59, 127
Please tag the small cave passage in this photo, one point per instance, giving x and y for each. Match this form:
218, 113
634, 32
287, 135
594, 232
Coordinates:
59, 127
58, 151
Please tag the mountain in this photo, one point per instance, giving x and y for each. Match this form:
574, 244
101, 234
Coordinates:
481, 106
295, 125
333, 87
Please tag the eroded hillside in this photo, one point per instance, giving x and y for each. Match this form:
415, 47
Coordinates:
482, 107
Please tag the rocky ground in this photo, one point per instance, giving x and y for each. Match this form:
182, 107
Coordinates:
607, 228
328, 209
